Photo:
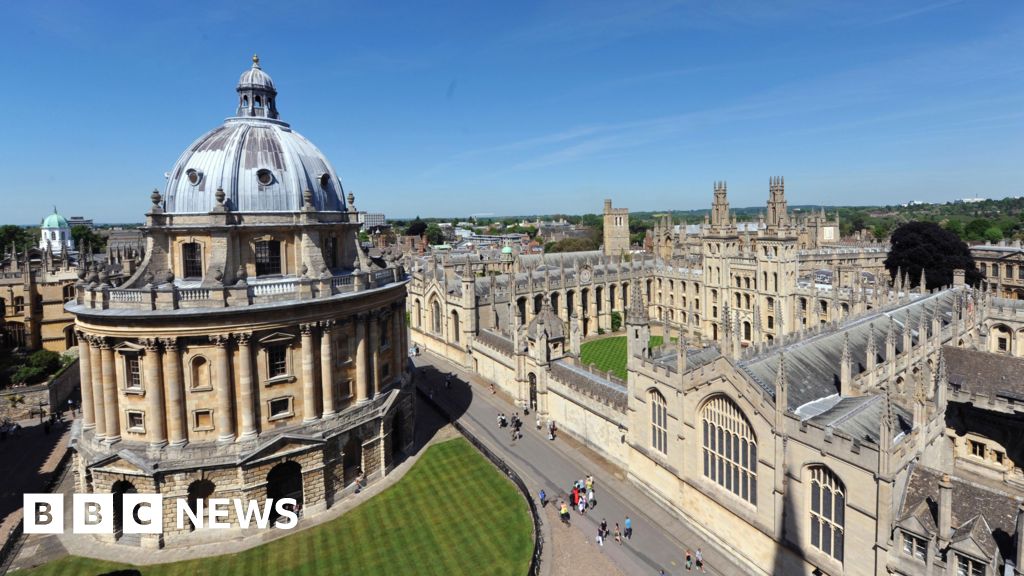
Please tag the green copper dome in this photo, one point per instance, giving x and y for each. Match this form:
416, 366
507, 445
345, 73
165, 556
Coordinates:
55, 221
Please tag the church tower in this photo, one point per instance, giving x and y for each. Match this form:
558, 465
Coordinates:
616, 230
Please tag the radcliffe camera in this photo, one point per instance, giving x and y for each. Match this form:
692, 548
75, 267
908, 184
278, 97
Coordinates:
537, 289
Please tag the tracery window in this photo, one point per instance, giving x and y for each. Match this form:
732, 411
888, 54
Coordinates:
659, 422
730, 448
828, 512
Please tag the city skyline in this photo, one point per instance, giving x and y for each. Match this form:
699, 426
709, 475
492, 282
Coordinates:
544, 110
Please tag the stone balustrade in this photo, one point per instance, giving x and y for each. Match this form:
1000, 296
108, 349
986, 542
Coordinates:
172, 297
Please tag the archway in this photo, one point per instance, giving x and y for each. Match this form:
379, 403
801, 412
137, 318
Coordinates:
119, 489
284, 481
198, 492
533, 391
352, 459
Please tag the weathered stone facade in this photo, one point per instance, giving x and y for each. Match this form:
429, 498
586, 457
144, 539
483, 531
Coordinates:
257, 352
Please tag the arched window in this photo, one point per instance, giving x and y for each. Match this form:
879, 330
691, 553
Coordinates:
659, 422
418, 311
456, 327
828, 512
268, 257
730, 449
435, 314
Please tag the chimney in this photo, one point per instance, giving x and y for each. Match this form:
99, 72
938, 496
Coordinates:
945, 510
959, 277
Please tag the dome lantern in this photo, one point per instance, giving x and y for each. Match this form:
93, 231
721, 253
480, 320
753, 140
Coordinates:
257, 95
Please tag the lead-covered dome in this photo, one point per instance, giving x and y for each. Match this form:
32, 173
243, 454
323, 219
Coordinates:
259, 161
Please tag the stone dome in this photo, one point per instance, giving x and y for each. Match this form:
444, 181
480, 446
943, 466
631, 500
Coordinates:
54, 221
259, 161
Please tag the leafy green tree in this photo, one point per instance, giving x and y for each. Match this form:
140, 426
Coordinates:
616, 321
434, 234
416, 228
88, 239
975, 229
926, 245
993, 234
955, 226
20, 237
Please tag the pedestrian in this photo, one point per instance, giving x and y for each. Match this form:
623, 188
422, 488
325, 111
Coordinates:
629, 528
543, 498
618, 534
604, 527
689, 560
583, 506
591, 502
538, 422
700, 560
600, 537
575, 496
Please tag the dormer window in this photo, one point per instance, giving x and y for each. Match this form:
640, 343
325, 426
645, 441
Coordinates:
325, 181
194, 176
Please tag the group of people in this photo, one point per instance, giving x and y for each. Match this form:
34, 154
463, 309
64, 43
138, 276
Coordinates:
582, 494
515, 422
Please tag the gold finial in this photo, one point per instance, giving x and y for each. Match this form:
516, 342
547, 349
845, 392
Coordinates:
256, 59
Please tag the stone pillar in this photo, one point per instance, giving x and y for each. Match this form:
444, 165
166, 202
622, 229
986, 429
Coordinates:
361, 380
309, 383
375, 352
98, 406
225, 418
397, 347
85, 378
156, 427
327, 366
246, 395
112, 418
173, 381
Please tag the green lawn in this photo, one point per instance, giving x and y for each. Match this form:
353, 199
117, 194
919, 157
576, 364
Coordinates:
453, 513
609, 354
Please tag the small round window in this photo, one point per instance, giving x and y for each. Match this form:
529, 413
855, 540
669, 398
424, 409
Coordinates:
194, 176
325, 181
265, 177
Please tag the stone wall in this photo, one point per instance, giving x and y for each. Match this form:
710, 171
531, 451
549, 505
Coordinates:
52, 394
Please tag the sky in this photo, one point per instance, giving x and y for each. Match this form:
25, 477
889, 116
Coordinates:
511, 108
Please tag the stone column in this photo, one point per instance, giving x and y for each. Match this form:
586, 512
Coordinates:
327, 366
177, 426
85, 378
225, 418
246, 394
361, 380
398, 320
98, 407
156, 427
375, 352
308, 375
111, 417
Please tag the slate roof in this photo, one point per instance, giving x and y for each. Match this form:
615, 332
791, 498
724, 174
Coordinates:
969, 503
985, 373
812, 364
592, 385
859, 416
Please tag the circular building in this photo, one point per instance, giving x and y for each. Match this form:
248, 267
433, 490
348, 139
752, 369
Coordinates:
55, 234
259, 351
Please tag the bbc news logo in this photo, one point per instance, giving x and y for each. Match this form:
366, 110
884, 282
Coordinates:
144, 513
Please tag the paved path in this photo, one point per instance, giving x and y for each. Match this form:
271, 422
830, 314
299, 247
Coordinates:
660, 539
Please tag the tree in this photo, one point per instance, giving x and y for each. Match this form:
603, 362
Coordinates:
416, 228
20, 237
616, 321
925, 245
87, 239
434, 234
975, 229
955, 226
993, 234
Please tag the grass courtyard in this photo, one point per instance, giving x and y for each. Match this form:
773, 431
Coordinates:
453, 513
609, 354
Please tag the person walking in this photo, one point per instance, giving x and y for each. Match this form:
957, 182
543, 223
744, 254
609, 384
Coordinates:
583, 506
591, 502
604, 527
600, 537
629, 528
689, 560
618, 534
543, 498
700, 560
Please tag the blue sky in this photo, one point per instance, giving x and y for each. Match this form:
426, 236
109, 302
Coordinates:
523, 107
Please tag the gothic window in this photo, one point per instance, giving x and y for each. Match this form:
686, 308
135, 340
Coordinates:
456, 328
730, 449
192, 260
659, 422
914, 546
268, 257
435, 314
828, 512
771, 322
